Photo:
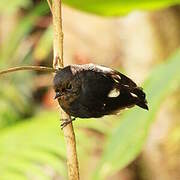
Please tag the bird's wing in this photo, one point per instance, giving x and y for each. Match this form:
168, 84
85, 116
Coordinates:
116, 76
100, 81
121, 79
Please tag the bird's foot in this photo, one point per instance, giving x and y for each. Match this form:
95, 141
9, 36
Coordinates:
65, 122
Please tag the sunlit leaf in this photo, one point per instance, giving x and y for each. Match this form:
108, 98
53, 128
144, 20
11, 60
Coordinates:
118, 7
37, 143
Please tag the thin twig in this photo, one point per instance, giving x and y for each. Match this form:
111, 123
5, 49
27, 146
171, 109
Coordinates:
50, 4
72, 162
58, 34
35, 68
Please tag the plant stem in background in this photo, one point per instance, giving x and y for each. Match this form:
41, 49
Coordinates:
50, 4
58, 34
72, 162
34, 68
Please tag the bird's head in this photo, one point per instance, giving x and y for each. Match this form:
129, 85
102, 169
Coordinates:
66, 85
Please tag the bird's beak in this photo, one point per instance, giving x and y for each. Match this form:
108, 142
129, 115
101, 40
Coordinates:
58, 94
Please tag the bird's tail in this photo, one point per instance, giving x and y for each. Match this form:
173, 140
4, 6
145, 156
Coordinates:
140, 96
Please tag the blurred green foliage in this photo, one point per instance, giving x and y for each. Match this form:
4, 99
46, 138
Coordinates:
29, 147
10, 7
118, 7
34, 147
44, 46
16, 89
20, 31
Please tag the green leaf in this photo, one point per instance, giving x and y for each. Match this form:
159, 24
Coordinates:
10, 6
131, 132
36, 141
118, 7
30, 146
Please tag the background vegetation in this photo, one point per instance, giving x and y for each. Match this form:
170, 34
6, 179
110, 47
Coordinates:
118, 147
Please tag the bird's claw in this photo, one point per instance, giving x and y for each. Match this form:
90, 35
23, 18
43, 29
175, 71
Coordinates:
65, 122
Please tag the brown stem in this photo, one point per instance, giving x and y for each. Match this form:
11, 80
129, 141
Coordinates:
35, 68
58, 34
72, 162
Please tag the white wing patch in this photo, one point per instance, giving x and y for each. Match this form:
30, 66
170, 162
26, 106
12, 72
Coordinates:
116, 78
134, 95
103, 68
114, 93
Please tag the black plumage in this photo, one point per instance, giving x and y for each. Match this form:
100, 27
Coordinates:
90, 90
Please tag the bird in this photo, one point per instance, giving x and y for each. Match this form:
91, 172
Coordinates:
93, 91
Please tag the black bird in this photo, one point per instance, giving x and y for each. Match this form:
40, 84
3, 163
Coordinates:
92, 91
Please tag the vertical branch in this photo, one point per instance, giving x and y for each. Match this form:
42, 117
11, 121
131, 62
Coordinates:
72, 162
58, 34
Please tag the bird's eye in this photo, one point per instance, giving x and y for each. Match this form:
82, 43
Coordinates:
69, 86
56, 90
